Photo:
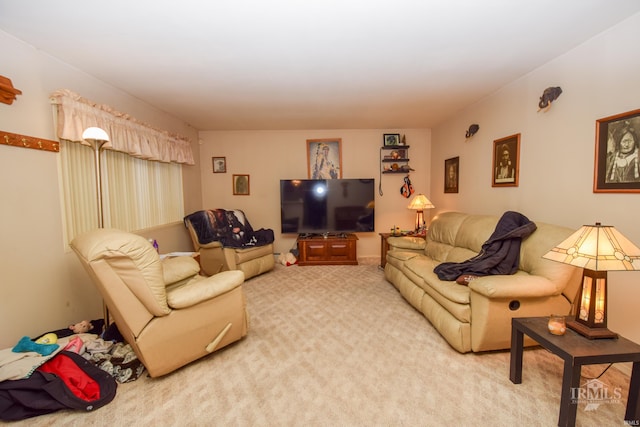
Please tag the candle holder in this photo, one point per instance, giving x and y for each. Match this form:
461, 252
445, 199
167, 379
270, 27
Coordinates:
557, 324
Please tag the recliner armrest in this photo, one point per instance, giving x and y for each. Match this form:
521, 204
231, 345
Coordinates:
514, 286
203, 288
179, 268
406, 242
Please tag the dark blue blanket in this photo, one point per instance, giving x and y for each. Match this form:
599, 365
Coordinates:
499, 255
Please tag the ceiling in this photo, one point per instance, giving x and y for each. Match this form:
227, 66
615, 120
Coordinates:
309, 64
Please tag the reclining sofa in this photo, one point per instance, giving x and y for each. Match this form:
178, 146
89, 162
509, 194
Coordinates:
477, 316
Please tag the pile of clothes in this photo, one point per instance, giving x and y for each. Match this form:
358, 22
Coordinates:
72, 368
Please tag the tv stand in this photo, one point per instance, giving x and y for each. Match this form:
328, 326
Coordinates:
327, 249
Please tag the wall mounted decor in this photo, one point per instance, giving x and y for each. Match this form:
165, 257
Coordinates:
549, 95
506, 161
24, 141
617, 166
472, 130
7, 91
241, 185
391, 139
324, 158
451, 174
219, 164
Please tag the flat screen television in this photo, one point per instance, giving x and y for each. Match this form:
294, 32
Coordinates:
321, 206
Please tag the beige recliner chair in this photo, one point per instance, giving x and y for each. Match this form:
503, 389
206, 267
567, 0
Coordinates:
164, 309
220, 251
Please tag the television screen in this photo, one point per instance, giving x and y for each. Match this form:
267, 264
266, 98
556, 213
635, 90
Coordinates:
316, 206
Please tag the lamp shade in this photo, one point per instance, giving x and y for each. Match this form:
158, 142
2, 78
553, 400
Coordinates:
420, 202
598, 248
95, 134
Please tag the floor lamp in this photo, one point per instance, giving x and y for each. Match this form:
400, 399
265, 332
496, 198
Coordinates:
97, 137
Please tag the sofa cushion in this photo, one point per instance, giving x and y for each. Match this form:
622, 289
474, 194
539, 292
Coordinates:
474, 231
423, 267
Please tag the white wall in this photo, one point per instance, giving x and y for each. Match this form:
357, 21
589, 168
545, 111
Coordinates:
42, 284
268, 156
598, 79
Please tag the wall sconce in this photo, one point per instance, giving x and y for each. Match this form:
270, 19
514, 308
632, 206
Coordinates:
597, 249
420, 203
549, 95
472, 130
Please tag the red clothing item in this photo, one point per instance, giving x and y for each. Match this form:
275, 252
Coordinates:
79, 382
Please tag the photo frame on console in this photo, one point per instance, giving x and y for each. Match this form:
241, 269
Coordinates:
324, 158
616, 163
451, 174
506, 161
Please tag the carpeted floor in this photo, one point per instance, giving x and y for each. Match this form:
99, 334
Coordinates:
338, 346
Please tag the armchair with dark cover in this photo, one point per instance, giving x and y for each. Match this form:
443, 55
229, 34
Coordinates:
166, 311
226, 241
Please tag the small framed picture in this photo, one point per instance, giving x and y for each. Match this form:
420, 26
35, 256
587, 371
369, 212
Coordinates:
219, 164
616, 165
324, 158
391, 139
241, 185
506, 161
451, 170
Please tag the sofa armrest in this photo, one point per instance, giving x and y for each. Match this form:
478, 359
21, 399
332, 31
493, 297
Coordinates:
514, 286
203, 288
406, 242
179, 268
214, 244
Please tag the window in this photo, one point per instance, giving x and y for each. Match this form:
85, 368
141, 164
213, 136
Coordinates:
136, 193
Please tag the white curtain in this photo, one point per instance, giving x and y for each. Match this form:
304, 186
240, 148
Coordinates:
128, 135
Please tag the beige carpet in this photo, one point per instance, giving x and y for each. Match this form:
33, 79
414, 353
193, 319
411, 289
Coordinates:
338, 346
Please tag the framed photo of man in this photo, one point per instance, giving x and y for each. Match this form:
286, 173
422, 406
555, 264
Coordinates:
451, 170
506, 161
324, 158
616, 165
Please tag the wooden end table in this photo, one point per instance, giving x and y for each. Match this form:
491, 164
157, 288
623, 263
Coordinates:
576, 351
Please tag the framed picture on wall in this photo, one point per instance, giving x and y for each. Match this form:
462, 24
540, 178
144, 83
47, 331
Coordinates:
616, 165
324, 158
506, 161
451, 170
219, 164
241, 185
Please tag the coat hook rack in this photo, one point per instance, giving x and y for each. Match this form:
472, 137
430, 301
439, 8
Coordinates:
24, 141
7, 91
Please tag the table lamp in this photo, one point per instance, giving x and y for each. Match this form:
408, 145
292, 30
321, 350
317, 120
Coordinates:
420, 203
597, 249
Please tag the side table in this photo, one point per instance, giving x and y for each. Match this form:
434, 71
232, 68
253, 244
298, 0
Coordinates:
576, 351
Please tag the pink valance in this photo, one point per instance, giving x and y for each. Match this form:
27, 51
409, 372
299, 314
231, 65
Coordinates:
128, 135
